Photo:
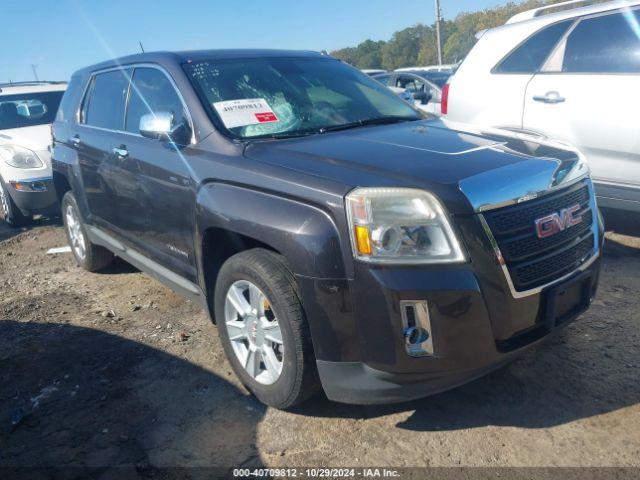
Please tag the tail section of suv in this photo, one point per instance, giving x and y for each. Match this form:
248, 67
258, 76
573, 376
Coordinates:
337, 238
571, 74
27, 110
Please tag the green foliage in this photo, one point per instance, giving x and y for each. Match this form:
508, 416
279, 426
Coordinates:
416, 45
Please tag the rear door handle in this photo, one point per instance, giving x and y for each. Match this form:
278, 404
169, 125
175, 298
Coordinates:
75, 140
121, 151
550, 97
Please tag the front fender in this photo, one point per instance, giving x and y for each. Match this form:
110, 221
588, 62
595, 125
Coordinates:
305, 234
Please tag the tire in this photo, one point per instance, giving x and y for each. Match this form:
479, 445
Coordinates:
89, 256
11, 213
280, 305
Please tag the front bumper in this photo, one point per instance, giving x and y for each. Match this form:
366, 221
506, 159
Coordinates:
357, 383
477, 324
34, 195
361, 354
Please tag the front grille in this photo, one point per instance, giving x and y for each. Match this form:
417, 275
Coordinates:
533, 261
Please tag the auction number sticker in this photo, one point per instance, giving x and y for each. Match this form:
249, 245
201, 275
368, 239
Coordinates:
249, 111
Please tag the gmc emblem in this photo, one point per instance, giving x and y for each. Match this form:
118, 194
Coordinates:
558, 221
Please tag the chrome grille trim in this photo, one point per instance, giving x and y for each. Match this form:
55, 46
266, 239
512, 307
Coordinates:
586, 263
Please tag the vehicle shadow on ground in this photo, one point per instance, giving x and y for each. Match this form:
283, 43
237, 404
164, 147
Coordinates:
118, 267
533, 392
78, 397
622, 222
7, 231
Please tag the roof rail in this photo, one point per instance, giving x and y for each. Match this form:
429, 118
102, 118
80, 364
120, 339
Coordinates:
28, 83
536, 12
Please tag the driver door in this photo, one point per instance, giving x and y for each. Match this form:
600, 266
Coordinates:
165, 196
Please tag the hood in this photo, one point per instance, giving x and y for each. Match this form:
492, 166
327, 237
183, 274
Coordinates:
37, 137
469, 171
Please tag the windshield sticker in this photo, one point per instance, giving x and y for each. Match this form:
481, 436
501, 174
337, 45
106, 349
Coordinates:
240, 113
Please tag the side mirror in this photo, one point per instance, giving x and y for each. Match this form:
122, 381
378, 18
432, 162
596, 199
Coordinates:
159, 126
422, 96
156, 125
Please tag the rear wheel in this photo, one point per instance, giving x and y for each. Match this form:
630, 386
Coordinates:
89, 256
10, 211
263, 328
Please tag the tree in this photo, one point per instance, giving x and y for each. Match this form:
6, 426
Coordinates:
366, 55
416, 45
404, 47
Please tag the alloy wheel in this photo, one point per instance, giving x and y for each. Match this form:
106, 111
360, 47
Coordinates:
76, 236
254, 332
4, 201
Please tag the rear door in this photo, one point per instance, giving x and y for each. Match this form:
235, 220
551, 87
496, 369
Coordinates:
496, 100
588, 94
98, 131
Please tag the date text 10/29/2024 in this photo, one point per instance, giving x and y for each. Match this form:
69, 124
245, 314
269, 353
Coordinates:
316, 473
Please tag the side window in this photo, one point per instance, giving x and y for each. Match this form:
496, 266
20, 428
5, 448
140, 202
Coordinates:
152, 92
383, 79
606, 44
529, 56
409, 83
104, 106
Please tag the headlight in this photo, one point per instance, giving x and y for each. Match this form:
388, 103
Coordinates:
20, 157
400, 225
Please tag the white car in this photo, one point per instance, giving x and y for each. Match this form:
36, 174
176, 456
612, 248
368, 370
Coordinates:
26, 113
572, 74
416, 84
431, 68
373, 71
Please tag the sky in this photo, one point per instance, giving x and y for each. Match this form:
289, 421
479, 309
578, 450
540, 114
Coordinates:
61, 36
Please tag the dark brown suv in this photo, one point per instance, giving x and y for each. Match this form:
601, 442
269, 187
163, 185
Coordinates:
337, 237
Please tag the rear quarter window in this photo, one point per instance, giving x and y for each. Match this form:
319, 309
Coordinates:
66, 108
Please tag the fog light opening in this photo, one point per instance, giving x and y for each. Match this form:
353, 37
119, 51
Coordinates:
417, 328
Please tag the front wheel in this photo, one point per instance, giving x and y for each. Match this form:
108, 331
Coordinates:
89, 256
263, 328
10, 211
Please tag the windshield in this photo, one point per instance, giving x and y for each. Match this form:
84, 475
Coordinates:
282, 97
28, 109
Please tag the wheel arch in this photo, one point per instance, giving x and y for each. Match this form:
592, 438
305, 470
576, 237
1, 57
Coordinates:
217, 246
61, 185
233, 218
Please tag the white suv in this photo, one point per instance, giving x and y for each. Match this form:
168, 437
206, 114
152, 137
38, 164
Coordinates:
26, 113
572, 74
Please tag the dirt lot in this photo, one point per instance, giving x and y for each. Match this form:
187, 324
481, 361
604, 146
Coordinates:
114, 369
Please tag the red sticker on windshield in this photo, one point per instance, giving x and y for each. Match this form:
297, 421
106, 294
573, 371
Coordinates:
266, 117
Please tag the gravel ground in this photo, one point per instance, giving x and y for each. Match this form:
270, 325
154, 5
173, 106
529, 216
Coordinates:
114, 369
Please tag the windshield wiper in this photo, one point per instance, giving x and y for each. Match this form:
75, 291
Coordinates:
332, 128
367, 121
281, 136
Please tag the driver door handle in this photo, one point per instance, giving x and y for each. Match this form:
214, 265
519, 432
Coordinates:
550, 97
121, 151
75, 140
